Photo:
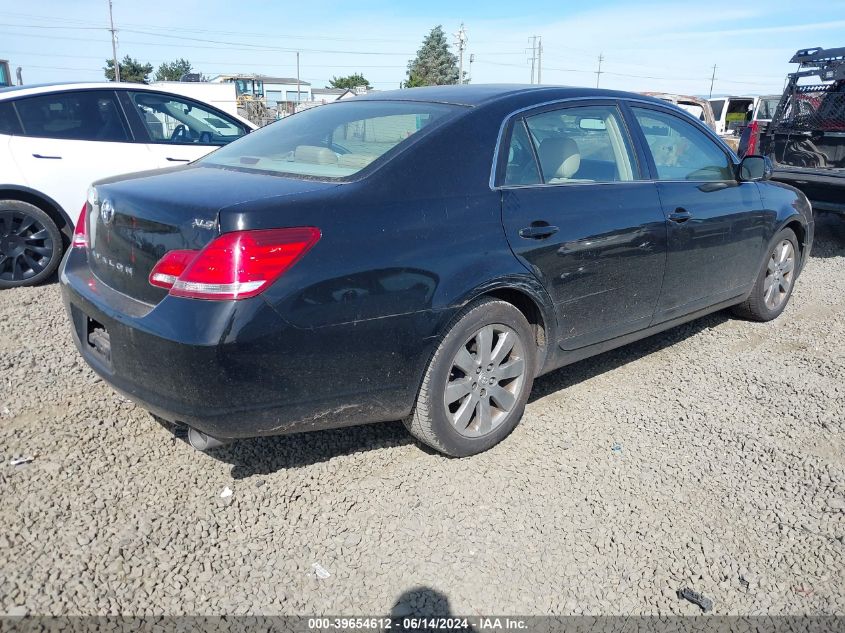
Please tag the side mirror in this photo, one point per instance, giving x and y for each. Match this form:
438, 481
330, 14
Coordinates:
754, 167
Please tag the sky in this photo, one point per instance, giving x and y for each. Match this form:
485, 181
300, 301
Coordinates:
645, 46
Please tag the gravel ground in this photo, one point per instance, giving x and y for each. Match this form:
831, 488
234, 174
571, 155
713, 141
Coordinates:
728, 477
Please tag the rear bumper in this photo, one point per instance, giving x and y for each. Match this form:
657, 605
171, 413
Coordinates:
237, 369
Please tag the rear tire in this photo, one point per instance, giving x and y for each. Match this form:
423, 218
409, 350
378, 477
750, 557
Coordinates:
775, 281
475, 387
30, 244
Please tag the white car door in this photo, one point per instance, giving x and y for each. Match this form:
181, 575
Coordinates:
182, 130
71, 139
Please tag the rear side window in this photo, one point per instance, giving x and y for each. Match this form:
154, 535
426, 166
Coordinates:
81, 116
331, 141
680, 150
8, 119
717, 105
521, 168
582, 145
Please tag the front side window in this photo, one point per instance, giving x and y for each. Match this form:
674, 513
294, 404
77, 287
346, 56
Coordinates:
81, 116
170, 119
680, 150
331, 141
718, 105
582, 145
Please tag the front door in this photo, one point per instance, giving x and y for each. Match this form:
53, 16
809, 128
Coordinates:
577, 213
716, 224
181, 130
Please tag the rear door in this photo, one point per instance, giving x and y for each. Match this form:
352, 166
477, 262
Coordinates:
716, 225
71, 139
579, 215
180, 130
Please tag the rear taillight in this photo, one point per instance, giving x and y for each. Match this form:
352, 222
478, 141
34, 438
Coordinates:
80, 233
236, 265
167, 270
753, 138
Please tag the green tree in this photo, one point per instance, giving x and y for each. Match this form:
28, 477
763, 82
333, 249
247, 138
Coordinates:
434, 65
351, 81
131, 70
173, 71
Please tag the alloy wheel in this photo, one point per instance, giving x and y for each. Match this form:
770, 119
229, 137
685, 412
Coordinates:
780, 274
485, 380
25, 246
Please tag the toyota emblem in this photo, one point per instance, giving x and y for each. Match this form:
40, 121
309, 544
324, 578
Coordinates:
107, 212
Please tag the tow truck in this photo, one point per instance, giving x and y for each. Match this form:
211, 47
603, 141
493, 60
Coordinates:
806, 137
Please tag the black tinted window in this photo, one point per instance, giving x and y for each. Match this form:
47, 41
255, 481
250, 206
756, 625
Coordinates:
81, 116
8, 119
583, 144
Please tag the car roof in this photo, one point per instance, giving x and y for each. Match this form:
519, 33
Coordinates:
14, 92
478, 94
46, 88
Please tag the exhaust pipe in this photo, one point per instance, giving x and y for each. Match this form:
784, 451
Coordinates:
204, 442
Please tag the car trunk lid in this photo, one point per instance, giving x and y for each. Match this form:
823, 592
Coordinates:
139, 219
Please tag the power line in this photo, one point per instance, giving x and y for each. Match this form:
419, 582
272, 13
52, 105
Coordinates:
228, 45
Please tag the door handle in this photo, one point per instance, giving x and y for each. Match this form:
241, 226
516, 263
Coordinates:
538, 231
50, 157
680, 215
179, 160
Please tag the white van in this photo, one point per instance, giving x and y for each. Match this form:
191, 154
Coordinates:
731, 113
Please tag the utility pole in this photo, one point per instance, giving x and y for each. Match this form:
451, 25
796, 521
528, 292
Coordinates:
712, 79
539, 60
114, 44
461, 36
297, 80
598, 72
533, 55
471, 59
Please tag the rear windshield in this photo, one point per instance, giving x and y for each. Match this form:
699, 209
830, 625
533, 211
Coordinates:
332, 141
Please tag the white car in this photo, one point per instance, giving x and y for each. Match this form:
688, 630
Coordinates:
56, 140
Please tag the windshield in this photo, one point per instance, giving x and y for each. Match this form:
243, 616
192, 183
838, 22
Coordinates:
330, 141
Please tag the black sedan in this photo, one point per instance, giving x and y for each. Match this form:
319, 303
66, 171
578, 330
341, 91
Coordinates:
420, 255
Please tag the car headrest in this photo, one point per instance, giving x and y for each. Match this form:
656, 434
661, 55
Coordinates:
314, 154
355, 161
559, 157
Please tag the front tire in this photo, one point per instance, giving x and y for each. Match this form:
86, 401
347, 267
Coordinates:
30, 244
476, 385
775, 282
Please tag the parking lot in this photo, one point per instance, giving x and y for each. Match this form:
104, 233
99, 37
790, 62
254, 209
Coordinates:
711, 456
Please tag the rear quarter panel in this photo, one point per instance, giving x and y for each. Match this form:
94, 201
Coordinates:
783, 205
401, 252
